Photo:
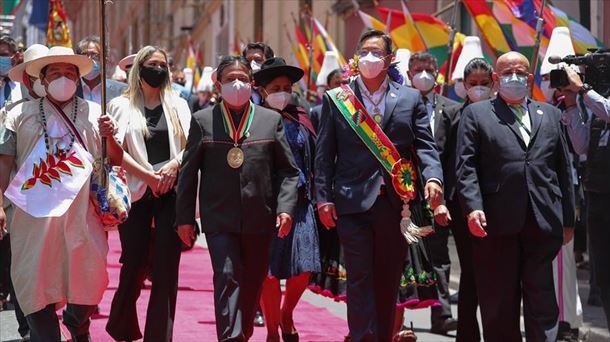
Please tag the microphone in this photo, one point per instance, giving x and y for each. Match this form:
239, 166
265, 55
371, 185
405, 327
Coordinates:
555, 59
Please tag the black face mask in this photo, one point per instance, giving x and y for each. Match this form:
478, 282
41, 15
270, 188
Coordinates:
154, 76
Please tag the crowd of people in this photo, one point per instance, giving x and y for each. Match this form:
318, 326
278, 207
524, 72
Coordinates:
352, 193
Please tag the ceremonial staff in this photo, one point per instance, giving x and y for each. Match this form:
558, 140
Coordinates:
103, 50
539, 28
450, 47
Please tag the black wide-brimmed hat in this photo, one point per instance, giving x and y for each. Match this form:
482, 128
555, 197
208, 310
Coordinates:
276, 67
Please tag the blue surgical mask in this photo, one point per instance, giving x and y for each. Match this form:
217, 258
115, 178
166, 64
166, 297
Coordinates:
94, 72
513, 87
5, 65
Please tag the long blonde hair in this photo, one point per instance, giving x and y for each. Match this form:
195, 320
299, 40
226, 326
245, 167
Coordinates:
136, 95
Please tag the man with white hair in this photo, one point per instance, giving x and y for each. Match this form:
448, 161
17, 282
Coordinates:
58, 242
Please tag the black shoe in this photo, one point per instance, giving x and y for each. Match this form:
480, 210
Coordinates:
259, 320
294, 337
453, 299
444, 326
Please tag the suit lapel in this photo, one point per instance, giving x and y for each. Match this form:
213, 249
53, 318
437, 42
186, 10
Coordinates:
536, 114
391, 99
438, 111
356, 89
505, 114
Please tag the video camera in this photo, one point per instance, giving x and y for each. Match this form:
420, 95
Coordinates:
597, 70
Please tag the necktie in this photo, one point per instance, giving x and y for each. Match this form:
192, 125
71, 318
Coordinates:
583, 109
7, 91
430, 112
525, 131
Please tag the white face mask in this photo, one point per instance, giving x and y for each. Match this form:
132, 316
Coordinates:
61, 89
479, 93
548, 92
370, 66
236, 93
255, 66
460, 89
423, 81
38, 88
278, 100
513, 87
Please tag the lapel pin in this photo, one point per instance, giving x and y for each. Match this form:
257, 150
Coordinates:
539, 111
392, 95
247, 134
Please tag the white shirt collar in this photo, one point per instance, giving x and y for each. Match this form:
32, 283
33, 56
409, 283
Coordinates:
381, 90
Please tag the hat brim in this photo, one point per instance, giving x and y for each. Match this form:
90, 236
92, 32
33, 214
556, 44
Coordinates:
269, 74
126, 61
16, 73
83, 63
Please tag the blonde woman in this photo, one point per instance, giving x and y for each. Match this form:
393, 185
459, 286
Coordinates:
152, 125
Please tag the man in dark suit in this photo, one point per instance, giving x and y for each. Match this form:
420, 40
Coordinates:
333, 80
89, 88
515, 186
355, 193
248, 186
441, 114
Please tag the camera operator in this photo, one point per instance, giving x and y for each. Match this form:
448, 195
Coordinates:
587, 117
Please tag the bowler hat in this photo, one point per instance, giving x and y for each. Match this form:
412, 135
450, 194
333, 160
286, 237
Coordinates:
276, 67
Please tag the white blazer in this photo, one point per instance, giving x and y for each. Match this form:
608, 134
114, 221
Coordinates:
132, 136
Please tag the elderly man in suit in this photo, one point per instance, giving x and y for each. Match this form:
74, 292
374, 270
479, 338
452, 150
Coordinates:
90, 86
355, 193
515, 186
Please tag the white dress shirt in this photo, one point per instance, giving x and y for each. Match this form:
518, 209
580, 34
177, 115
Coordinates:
377, 97
93, 95
430, 108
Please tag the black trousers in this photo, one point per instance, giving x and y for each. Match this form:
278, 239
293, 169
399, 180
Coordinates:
240, 262
468, 324
44, 324
374, 252
136, 234
437, 243
598, 225
21, 320
509, 267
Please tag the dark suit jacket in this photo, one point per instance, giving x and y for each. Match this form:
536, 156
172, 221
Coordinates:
246, 199
314, 114
446, 120
498, 174
347, 174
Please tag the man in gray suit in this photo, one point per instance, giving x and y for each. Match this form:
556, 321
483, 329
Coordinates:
91, 84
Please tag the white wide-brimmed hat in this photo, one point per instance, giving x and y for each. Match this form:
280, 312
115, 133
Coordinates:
60, 54
32, 53
206, 83
470, 50
560, 45
401, 58
127, 62
330, 63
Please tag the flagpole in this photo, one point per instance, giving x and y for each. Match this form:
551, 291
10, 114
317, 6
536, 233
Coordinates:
103, 52
310, 43
539, 28
452, 30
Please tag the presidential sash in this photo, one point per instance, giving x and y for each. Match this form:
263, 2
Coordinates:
353, 111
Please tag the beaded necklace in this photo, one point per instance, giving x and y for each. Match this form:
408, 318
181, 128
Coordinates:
59, 150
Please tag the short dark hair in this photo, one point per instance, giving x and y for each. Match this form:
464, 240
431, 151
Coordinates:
371, 33
478, 64
228, 60
8, 40
84, 43
332, 74
423, 57
267, 51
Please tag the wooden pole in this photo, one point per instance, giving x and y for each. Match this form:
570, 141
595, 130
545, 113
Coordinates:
452, 31
103, 54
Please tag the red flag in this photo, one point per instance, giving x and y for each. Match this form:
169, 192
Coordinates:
57, 29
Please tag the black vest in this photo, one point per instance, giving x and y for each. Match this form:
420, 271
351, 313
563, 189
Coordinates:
597, 170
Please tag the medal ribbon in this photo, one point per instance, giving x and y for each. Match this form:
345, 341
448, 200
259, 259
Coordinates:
353, 111
244, 125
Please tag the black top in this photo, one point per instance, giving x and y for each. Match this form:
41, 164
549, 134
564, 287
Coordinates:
157, 144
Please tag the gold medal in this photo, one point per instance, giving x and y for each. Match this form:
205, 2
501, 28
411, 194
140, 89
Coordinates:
235, 157
378, 118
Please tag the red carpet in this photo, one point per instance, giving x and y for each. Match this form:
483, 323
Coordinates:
195, 308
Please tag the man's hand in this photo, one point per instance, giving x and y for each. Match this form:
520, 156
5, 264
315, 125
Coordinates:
283, 223
574, 79
477, 223
568, 235
2, 223
442, 215
186, 232
434, 193
328, 215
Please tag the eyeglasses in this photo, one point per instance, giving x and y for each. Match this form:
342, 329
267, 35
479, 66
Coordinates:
92, 55
376, 53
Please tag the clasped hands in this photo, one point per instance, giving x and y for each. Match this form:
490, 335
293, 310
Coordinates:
164, 180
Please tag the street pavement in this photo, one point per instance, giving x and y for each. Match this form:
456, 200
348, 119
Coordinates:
593, 330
